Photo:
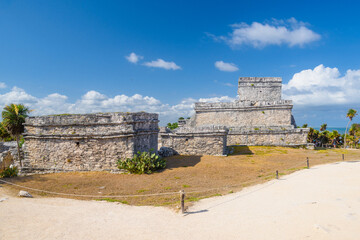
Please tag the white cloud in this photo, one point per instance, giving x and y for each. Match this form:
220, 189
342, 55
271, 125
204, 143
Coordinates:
278, 32
16, 95
159, 63
324, 86
2, 85
93, 101
217, 99
133, 58
226, 67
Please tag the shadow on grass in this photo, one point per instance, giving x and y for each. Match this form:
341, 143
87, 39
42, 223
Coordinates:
22, 179
179, 161
240, 150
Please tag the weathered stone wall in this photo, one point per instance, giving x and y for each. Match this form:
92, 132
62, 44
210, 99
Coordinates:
268, 136
8, 154
259, 88
243, 113
210, 140
258, 117
88, 142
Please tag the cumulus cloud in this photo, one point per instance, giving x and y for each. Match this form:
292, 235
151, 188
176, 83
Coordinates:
226, 67
133, 58
324, 86
2, 85
93, 101
277, 32
159, 63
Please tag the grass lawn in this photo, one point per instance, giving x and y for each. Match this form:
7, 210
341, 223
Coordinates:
210, 175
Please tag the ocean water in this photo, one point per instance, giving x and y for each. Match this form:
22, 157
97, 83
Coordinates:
330, 129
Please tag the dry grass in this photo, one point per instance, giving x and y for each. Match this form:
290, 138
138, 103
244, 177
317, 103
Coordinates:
212, 176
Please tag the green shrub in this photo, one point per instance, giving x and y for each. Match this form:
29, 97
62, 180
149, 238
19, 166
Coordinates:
11, 171
145, 162
173, 126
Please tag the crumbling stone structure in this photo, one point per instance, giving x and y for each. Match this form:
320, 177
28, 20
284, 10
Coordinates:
258, 117
8, 154
86, 142
210, 140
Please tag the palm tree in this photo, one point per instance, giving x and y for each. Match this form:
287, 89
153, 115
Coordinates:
350, 114
334, 137
4, 134
13, 117
323, 127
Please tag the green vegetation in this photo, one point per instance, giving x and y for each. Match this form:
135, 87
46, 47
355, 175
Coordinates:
4, 134
172, 126
325, 138
113, 200
142, 190
145, 162
13, 117
350, 114
8, 172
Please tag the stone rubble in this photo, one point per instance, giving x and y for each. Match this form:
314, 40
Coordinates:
23, 193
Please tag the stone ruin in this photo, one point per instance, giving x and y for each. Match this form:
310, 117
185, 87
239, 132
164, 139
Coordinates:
258, 117
75, 142
8, 154
86, 142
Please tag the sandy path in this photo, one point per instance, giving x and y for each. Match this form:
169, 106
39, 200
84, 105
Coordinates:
320, 203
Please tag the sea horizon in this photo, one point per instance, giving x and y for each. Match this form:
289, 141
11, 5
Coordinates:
341, 130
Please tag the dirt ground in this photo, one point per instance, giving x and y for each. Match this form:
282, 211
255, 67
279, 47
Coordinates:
200, 176
321, 203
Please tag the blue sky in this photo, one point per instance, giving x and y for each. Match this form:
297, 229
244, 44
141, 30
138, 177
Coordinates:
74, 56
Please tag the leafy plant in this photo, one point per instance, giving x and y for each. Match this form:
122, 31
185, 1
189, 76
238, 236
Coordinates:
22, 141
172, 126
13, 119
11, 171
142, 162
350, 114
4, 134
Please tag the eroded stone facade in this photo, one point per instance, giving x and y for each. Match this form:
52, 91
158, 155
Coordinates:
209, 140
258, 117
86, 142
8, 154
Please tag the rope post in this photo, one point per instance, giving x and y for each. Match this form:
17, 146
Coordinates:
277, 174
182, 201
307, 162
343, 157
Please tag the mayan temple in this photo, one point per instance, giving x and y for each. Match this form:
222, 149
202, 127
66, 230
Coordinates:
258, 117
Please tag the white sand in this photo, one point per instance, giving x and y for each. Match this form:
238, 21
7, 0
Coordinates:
320, 203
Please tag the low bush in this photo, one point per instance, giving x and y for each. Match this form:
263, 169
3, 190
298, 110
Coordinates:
11, 171
142, 162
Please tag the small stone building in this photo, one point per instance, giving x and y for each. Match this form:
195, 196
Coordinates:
209, 140
86, 142
258, 117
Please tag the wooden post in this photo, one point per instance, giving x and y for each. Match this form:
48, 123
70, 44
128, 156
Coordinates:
277, 174
343, 157
182, 201
307, 162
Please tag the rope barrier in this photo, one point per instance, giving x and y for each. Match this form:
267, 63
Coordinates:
142, 195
